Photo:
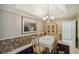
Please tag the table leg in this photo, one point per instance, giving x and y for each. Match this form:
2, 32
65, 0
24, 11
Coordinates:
47, 50
50, 50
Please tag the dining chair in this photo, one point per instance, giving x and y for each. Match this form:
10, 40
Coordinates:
36, 47
54, 50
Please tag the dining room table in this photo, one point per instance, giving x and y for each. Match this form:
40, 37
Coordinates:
47, 41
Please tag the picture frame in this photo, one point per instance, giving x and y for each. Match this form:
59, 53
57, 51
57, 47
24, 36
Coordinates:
28, 25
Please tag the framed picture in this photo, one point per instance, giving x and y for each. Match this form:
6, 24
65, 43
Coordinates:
28, 25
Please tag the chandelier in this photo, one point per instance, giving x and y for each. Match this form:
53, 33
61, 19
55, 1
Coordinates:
48, 17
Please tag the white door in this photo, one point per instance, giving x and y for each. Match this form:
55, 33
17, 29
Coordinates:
68, 32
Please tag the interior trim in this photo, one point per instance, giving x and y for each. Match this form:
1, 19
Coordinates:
19, 49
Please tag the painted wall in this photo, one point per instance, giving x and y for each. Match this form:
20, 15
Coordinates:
59, 22
77, 17
10, 24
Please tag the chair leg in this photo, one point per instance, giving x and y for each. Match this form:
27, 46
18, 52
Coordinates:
47, 50
55, 49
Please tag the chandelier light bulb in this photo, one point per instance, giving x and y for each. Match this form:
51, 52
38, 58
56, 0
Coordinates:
47, 17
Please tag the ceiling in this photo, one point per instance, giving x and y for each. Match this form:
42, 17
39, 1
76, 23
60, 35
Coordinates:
41, 10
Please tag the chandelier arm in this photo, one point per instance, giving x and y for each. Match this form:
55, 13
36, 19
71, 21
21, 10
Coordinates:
48, 17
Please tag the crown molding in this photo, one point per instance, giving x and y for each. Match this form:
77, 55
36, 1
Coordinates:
20, 12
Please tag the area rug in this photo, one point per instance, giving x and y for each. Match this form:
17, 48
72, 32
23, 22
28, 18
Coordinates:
63, 49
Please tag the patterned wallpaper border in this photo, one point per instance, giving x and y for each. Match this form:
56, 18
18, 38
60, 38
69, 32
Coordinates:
14, 43
11, 44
